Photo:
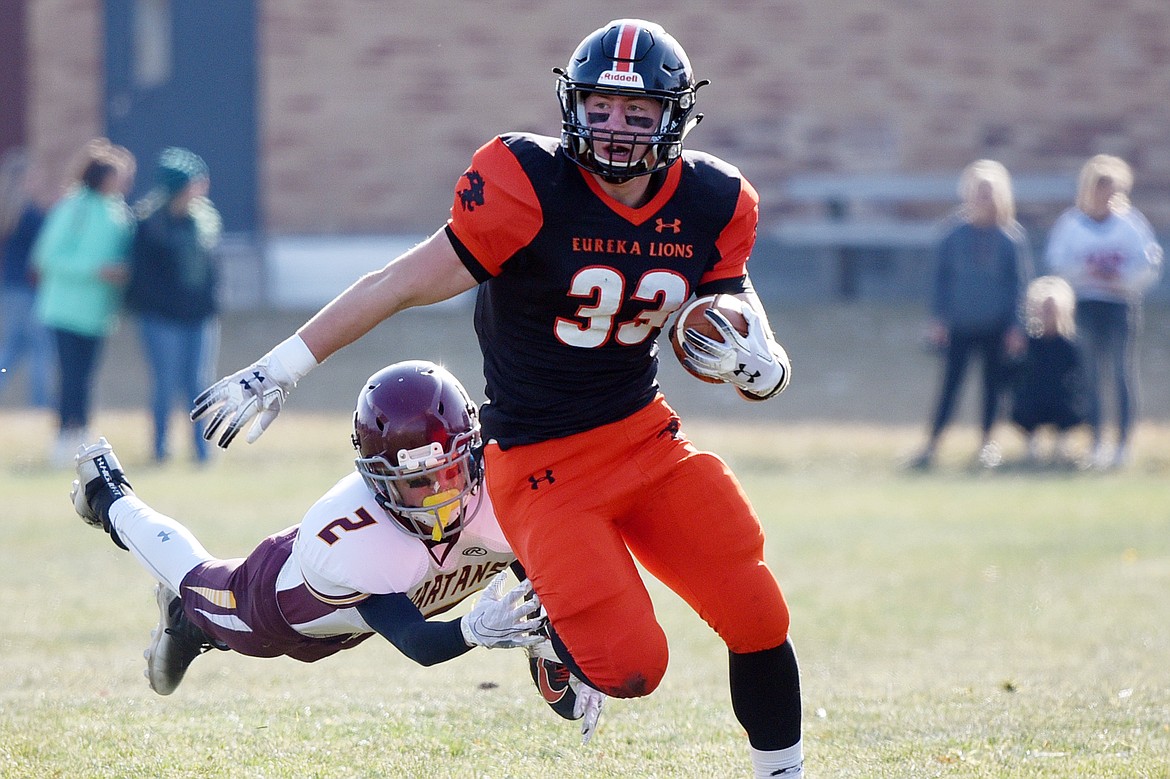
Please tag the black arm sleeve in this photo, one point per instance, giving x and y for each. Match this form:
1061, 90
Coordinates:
396, 618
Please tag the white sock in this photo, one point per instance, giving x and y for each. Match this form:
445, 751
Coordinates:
787, 763
163, 546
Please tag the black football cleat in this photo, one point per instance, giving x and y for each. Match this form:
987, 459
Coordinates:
174, 645
553, 679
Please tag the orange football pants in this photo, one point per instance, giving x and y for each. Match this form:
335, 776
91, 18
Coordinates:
575, 508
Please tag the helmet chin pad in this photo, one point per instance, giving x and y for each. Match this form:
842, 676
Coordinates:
446, 502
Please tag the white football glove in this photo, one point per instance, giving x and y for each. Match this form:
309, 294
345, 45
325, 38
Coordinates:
754, 363
588, 707
257, 392
502, 620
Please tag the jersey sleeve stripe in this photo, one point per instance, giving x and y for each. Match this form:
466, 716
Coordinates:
340, 601
729, 286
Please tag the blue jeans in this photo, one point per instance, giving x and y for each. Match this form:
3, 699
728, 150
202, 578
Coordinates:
1108, 337
181, 356
25, 336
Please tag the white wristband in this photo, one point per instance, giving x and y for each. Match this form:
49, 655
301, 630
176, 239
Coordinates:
468, 634
294, 356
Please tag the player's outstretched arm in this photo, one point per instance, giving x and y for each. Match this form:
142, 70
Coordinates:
499, 619
426, 274
399, 621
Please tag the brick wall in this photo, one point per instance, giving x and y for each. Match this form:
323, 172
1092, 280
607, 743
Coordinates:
65, 75
371, 108
388, 107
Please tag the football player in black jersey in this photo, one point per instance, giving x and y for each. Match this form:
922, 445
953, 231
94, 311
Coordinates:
582, 247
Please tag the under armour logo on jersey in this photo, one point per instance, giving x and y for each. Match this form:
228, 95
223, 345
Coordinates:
165, 535
661, 226
472, 196
751, 377
536, 480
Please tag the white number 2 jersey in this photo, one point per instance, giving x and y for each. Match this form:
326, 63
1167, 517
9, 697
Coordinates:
347, 549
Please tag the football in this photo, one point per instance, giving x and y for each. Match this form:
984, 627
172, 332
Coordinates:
692, 316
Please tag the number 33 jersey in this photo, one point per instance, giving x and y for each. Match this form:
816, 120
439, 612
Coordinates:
575, 286
347, 549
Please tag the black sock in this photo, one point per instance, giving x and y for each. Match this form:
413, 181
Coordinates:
765, 695
102, 492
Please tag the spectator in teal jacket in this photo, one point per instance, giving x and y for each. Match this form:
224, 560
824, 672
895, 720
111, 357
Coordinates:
81, 257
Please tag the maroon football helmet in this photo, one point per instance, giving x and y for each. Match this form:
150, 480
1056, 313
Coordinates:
417, 434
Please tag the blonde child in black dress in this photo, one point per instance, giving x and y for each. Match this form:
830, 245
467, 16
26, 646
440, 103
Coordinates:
1050, 387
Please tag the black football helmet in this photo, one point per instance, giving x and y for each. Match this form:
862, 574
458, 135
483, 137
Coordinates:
636, 58
417, 434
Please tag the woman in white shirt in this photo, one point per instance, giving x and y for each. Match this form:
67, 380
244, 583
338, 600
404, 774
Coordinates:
1106, 249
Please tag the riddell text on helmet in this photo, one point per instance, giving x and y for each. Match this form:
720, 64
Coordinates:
621, 78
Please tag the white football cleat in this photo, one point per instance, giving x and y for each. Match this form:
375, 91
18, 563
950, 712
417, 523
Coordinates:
99, 483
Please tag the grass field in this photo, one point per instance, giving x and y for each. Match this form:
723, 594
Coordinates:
953, 624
